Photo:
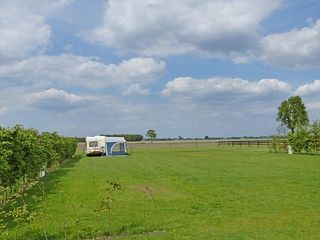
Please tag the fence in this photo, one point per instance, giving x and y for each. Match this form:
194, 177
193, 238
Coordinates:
249, 143
191, 143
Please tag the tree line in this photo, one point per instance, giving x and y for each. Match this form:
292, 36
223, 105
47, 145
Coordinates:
303, 136
128, 137
25, 152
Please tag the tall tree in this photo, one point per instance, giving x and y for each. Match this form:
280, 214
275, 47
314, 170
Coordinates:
292, 113
151, 134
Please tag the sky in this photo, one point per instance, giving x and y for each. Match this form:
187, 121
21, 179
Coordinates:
184, 68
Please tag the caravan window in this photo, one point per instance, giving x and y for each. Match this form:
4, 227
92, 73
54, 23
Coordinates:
93, 144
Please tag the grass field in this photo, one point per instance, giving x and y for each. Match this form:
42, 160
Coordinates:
179, 193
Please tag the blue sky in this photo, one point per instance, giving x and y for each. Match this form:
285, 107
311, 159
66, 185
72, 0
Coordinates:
185, 68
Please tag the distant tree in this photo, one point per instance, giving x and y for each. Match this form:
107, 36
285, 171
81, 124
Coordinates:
151, 134
206, 137
128, 137
180, 138
292, 113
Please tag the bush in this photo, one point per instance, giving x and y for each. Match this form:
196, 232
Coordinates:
315, 136
24, 152
279, 144
306, 139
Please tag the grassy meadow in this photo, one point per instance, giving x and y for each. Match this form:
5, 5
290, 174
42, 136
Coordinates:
233, 193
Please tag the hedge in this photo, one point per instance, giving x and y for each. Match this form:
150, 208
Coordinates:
25, 152
306, 139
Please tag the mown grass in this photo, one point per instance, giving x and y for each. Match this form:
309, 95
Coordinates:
180, 193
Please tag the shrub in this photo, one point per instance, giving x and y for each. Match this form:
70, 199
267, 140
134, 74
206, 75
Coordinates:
306, 139
24, 152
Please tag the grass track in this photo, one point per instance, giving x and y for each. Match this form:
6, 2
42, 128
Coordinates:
199, 193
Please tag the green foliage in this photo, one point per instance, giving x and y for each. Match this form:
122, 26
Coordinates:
306, 139
278, 144
292, 113
127, 137
315, 136
24, 152
152, 134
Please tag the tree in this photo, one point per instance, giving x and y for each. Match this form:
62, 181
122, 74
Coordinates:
292, 113
151, 134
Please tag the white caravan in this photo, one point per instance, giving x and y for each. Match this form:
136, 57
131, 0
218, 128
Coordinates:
109, 146
96, 145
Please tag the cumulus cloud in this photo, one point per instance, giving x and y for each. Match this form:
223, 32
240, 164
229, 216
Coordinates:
22, 33
68, 69
218, 29
3, 110
215, 28
298, 48
23, 28
27, 99
314, 105
58, 100
212, 87
308, 89
135, 89
310, 93
220, 98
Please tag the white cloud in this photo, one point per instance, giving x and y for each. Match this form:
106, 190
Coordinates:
153, 27
3, 110
23, 29
68, 69
24, 99
310, 93
307, 89
228, 87
135, 89
216, 29
58, 100
314, 105
22, 33
226, 98
298, 48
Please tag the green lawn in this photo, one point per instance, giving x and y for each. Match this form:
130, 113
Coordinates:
180, 193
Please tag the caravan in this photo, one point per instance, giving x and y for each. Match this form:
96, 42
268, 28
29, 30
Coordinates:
96, 145
101, 145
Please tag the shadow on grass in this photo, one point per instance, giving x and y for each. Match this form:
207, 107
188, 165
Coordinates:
89, 232
44, 187
51, 185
